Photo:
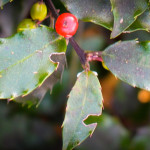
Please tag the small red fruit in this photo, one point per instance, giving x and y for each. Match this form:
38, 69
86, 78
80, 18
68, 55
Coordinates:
66, 25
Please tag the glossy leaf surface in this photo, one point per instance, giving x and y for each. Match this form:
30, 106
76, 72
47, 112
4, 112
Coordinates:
142, 22
129, 61
25, 60
35, 97
125, 13
84, 100
96, 11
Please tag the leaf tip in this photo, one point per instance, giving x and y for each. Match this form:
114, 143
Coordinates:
95, 73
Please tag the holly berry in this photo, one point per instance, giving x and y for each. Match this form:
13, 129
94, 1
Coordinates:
66, 25
38, 11
26, 24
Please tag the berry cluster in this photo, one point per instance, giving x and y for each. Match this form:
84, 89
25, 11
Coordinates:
38, 12
66, 24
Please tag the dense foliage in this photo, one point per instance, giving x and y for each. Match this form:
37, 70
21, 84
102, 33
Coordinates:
33, 58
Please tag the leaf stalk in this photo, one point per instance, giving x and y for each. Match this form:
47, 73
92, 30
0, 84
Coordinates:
79, 51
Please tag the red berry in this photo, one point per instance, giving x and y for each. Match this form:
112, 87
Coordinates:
66, 25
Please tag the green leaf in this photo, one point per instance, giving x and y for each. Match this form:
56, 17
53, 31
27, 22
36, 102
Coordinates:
25, 60
109, 130
3, 2
84, 100
142, 22
96, 11
125, 13
129, 61
35, 97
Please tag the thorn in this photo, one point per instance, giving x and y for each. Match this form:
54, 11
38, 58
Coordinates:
95, 73
116, 77
103, 107
103, 100
134, 86
79, 74
67, 108
8, 101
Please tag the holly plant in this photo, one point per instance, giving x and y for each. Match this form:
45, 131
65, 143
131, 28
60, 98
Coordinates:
33, 59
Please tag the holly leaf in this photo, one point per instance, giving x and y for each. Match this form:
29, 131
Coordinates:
96, 11
3, 2
35, 97
129, 61
85, 100
25, 60
141, 23
125, 13
109, 130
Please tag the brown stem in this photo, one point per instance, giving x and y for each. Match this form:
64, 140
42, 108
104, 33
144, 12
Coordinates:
52, 21
77, 48
52, 8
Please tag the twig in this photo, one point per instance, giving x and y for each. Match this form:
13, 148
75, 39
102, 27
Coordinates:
52, 8
52, 21
77, 48
94, 56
